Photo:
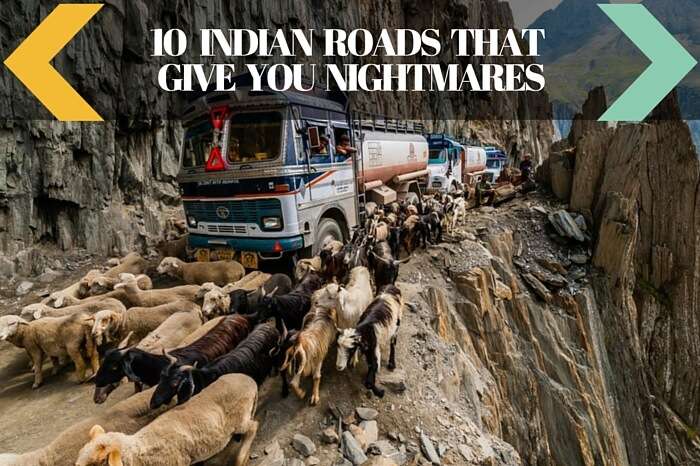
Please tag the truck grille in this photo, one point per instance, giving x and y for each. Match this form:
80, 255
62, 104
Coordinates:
239, 229
233, 211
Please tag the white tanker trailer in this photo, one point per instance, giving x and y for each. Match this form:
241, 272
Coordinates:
391, 165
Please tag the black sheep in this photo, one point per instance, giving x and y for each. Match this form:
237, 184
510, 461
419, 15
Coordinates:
256, 357
144, 368
244, 302
292, 307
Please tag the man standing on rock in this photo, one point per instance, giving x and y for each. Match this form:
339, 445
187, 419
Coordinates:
526, 168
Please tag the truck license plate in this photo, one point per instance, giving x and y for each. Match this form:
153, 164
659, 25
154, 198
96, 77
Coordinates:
202, 255
225, 254
249, 260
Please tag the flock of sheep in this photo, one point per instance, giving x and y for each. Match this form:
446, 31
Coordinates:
210, 342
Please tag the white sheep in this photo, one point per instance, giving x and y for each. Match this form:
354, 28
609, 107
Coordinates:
104, 284
56, 337
217, 300
110, 326
38, 310
127, 416
350, 300
152, 298
197, 273
303, 266
190, 433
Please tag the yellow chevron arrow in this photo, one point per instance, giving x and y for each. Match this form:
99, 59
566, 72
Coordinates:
30, 62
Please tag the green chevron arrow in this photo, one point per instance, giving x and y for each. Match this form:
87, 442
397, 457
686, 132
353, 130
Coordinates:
670, 62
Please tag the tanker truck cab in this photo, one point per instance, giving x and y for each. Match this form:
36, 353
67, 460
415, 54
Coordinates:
445, 164
261, 180
495, 162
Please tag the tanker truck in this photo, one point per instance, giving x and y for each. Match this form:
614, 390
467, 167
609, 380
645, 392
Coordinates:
264, 175
453, 165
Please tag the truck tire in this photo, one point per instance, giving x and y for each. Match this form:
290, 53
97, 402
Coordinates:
326, 227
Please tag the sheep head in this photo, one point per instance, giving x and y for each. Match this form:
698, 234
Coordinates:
111, 371
326, 297
175, 380
9, 325
104, 323
32, 311
126, 280
85, 283
204, 289
239, 300
170, 266
216, 302
102, 448
348, 343
304, 266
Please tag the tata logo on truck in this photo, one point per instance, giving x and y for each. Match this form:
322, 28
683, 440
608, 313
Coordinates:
222, 212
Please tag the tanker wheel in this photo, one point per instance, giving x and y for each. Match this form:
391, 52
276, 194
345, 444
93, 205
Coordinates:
327, 230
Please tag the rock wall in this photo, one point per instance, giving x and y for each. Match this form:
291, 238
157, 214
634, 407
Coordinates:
108, 187
533, 359
638, 184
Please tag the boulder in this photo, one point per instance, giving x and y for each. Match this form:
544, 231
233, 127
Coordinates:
538, 287
303, 445
565, 225
428, 449
352, 450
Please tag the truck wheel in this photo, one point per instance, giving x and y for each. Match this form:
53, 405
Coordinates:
328, 229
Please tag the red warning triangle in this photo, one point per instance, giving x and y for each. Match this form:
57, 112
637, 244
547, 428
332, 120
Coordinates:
216, 161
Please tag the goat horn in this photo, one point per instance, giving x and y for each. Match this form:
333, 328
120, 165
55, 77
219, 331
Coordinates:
284, 332
171, 358
386, 261
125, 342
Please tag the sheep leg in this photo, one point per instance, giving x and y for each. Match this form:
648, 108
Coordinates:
315, 395
94, 360
285, 384
296, 380
37, 357
56, 365
77, 358
392, 354
248, 437
373, 365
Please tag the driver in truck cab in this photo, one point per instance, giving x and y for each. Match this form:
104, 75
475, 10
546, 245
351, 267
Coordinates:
344, 148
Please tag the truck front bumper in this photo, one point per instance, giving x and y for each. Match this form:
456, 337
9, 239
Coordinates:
265, 245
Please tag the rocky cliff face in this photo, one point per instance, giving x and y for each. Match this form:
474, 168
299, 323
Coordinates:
638, 184
108, 187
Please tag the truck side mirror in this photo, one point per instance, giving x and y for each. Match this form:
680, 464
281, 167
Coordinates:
314, 137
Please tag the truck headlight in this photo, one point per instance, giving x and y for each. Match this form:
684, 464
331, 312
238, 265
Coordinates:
191, 221
272, 223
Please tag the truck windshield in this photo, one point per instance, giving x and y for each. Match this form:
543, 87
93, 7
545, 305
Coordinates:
198, 144
437, 156
254, 137
493, 163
